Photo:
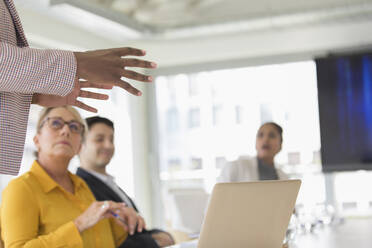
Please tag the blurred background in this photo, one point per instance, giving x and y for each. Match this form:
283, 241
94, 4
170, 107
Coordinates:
226, 67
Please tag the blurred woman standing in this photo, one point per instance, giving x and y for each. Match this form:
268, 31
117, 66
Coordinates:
269, 141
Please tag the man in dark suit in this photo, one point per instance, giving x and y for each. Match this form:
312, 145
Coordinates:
96, 153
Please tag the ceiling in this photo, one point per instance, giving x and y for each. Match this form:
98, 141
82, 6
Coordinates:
193, 35
177, 16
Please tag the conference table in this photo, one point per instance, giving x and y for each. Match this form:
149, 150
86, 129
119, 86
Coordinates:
351, 233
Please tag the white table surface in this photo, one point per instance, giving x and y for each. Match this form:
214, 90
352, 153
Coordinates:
353, 233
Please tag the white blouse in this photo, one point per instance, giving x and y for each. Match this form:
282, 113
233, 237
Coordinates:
244, 169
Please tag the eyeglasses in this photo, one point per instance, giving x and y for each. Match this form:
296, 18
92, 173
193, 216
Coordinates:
57, 123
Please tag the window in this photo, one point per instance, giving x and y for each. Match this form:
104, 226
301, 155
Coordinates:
174, 164
220, 162
172, 120
196, 164
217, 115
239, 115
218, 121
193, 86
258, 94
194, 118
265, 113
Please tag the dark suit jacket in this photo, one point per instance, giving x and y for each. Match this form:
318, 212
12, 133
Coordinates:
102, 192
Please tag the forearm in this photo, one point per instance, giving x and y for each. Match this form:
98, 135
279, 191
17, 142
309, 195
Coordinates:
26, 70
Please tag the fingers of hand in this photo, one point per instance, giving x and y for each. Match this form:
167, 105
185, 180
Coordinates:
105, 205
131, 216
126, 86
132, 223
126, 215
95, 85
126, 51
140, 223
103, 208
138, 63
107, 208
121, 223
84, 106
136, 76
93, 95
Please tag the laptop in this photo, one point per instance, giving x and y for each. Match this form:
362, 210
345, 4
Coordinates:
248, 215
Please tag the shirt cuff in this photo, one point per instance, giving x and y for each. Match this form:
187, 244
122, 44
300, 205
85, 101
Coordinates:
72, 234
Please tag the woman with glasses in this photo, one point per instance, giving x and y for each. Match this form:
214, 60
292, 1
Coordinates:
269, 141
50, 207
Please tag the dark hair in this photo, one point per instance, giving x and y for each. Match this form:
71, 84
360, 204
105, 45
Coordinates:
278, 128
91, 121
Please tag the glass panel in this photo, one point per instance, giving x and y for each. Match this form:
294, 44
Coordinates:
218, 115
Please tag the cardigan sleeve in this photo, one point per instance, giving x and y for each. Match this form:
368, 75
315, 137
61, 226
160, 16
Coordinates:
24, 71
28, 70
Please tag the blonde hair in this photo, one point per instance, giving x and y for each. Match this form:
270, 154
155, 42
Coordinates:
45, 111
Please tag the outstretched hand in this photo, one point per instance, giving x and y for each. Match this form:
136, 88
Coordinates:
108, 66
101, 69
71, 98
